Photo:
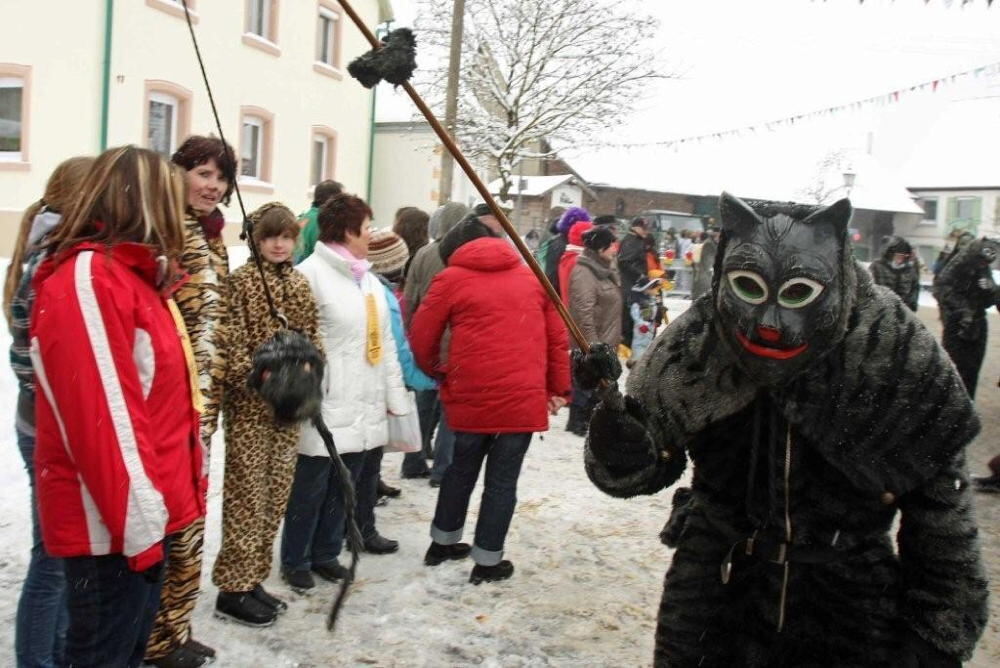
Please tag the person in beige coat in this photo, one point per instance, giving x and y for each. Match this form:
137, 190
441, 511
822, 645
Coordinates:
595, 302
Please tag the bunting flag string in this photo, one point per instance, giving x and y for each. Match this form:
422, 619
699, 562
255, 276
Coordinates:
892, 97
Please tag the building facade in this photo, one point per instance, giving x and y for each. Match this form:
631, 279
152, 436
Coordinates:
946, 210
77, 77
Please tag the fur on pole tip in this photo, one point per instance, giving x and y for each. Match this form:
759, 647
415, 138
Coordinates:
288, 374
394, 62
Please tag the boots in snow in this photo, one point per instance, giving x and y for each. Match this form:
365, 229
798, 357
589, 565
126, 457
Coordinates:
269, 600
379, 544
438, 553
199, 648
387, 490
244, 608
576, 424
183, 656
298, 581
331, 572
500, 571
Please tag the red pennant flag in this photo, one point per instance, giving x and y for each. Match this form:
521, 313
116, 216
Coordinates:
934, 86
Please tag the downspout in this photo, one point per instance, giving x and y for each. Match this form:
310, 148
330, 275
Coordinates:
106, 83
380, 31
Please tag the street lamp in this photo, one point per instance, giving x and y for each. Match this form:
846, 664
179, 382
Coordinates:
849, 177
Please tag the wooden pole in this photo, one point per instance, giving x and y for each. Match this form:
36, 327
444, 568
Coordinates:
484, 192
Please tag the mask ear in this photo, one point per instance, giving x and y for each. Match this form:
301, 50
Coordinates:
737, 216
837, 215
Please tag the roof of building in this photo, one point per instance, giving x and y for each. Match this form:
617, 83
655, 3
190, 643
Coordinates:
537, 186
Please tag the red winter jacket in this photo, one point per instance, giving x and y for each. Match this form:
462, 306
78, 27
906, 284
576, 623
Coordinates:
508, 353
571, 255
118, 461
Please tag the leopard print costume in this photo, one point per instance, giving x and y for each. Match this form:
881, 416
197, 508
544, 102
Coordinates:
202, 303
260, 456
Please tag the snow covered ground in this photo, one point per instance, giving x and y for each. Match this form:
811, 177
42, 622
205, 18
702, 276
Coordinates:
585, 592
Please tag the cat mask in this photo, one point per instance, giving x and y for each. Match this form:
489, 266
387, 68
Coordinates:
781, 285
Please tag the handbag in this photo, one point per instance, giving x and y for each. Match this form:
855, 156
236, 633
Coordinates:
404, 430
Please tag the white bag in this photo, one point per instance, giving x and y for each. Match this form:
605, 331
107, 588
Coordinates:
404, 430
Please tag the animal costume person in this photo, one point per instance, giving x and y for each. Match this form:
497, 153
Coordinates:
965, 291
814, 407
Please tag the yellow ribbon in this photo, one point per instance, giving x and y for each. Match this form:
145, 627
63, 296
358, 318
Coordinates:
373, 335
197, 400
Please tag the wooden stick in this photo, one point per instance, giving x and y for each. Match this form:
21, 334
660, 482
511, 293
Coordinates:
484, 192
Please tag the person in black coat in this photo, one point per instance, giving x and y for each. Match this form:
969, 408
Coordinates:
899, 271
632, 267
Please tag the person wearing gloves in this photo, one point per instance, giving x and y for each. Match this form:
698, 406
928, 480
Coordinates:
363, 387
508, 363
118, 458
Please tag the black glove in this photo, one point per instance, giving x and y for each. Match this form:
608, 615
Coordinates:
618, 437
918, 653
600, 364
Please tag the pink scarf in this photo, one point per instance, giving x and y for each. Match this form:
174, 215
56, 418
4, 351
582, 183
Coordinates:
359, 266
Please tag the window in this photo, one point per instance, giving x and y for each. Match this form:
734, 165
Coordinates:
175, 7
261, 29
324, 143
966, 207
167, 116
11, 118
255, 148
327, 33
964, 213
930, 207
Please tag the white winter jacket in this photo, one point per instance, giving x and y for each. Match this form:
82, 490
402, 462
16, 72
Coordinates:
357, 395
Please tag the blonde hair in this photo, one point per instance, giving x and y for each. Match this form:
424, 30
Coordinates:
130, 195
61, 191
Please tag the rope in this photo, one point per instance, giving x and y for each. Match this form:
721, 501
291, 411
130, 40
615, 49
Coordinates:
354, 539
247, 234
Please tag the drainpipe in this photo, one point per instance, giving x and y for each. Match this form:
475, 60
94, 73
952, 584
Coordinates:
106, 83
379, 32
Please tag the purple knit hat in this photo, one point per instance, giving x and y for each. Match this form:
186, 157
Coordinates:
573, 215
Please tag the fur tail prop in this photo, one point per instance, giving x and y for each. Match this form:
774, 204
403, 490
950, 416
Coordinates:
395, 62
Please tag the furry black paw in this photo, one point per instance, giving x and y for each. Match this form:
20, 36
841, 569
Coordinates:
618, 439
599, 365
673, 530
287, 372
395, 61
918, 653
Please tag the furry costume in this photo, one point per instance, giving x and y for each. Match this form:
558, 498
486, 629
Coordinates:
965, 290
903, 279
814, 406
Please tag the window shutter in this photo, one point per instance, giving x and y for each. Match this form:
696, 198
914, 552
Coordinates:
952, 213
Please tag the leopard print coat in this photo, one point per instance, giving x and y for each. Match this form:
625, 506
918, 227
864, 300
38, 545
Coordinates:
202, 303
260, 456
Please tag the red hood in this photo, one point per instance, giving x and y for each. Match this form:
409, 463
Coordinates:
486, 254
137, 257
577, 231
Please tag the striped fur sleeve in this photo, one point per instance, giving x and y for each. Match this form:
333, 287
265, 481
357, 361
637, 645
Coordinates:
944, 583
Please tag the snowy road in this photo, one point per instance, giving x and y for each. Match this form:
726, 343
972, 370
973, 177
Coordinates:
585, 593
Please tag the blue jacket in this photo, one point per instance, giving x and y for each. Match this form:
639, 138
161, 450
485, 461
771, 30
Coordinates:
414, 378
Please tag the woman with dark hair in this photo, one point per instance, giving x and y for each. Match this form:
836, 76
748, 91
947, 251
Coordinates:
118, 453
209, 166
412, 226
41, 610
364, 384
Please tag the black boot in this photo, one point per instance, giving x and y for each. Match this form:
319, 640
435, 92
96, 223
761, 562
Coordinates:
438, 553
200, 648
379, 544
576, 424
386, 490
267, 599
182, 656
331, 572
481, 573
987, 484
244, 608
298, 581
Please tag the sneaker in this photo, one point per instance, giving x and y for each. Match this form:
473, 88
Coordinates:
379, 544
181, 657
204, 650
438, 553
481, 573
332, 572
298, 581
986, 484
270, 601
244, 608
388, 490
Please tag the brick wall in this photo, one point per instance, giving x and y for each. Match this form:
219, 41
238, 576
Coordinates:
630, 202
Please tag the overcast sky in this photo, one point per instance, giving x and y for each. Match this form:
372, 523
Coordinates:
744, 61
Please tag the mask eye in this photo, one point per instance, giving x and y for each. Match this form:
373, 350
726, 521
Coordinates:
799, 292
748, 286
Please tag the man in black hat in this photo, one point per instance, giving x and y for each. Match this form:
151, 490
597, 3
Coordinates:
632, 267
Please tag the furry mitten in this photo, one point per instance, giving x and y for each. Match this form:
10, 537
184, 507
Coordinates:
918, 653
618, 437
677, 522
600, 364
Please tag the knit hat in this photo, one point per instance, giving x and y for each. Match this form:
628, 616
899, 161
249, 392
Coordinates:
577, 231
598, 238
468, 230
639, 221
387, 252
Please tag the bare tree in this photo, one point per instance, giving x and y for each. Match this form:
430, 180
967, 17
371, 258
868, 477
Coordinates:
826, 180
539, 74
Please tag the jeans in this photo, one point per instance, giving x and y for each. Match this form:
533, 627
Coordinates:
314, 520
42, 618
429, 412
366, 490
503, 454
111, 610
444, 448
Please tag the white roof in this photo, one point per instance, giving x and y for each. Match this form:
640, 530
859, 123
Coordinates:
534, 186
